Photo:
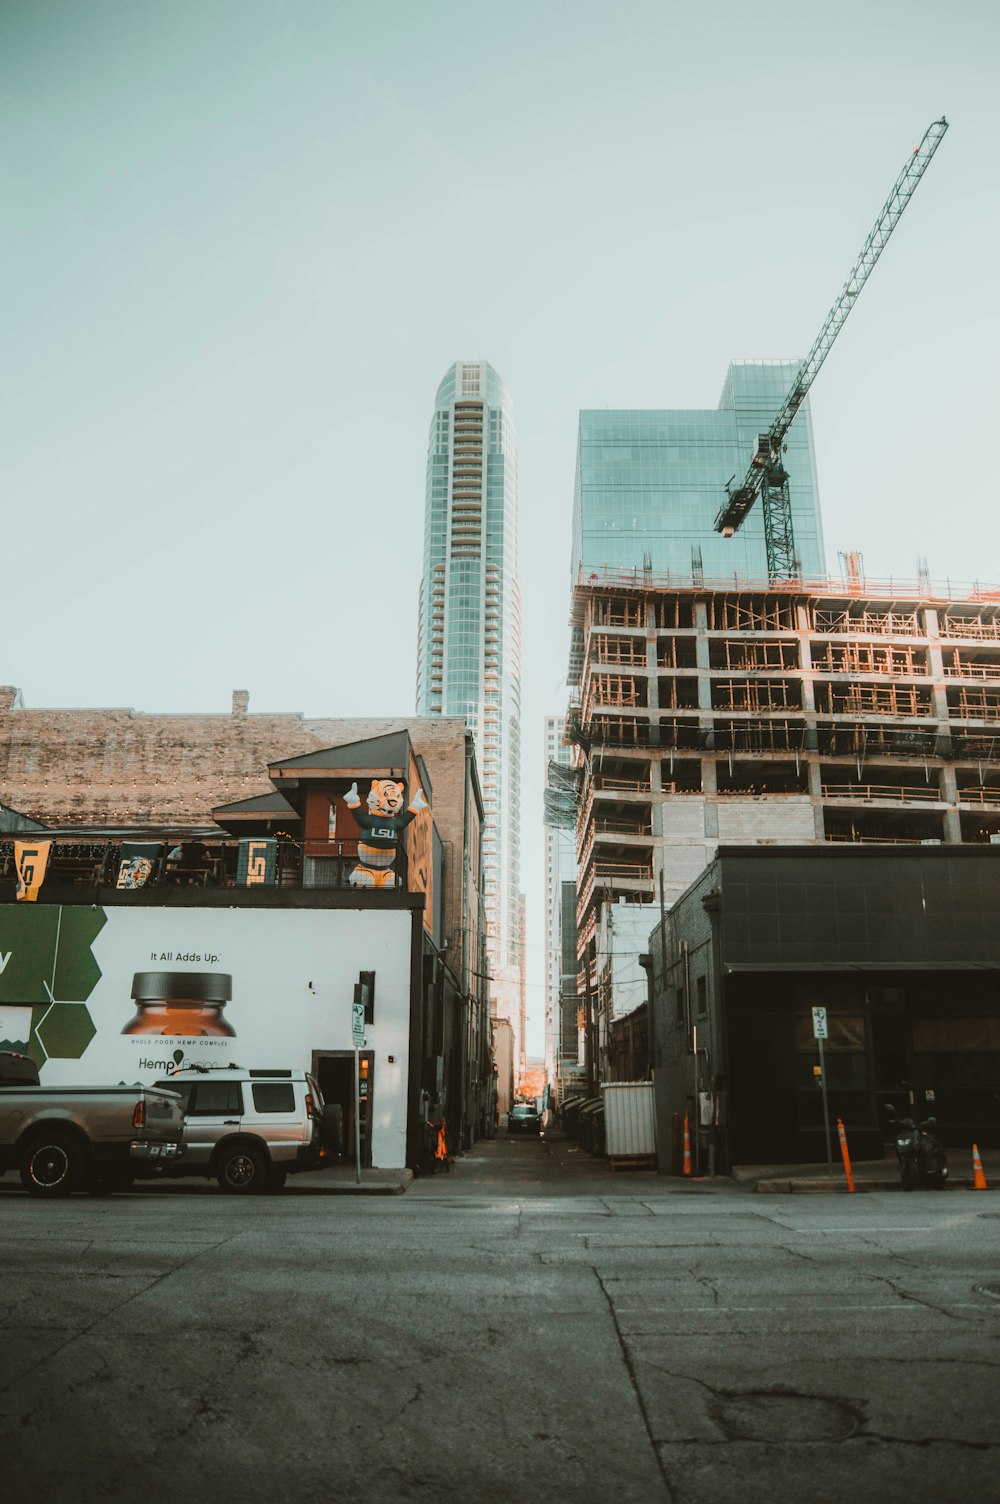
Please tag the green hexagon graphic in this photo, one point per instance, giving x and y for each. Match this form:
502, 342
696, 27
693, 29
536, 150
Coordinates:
65, 1030
46, 952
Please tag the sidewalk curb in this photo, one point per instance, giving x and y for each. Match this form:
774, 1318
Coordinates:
322, 1183
366, 1190
837, 1187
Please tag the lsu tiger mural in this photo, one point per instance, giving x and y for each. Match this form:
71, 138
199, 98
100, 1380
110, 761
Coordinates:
381, 826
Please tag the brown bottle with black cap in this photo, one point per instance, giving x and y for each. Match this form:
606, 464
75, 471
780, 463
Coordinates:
187, 1003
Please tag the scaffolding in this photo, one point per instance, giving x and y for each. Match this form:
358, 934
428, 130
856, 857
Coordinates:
895, 700
869, 658
678, 652
955, 666
623, 651
756, 695
866, 623
617, 612
616, 691
737, 613
977, 704
753, 657
984, 626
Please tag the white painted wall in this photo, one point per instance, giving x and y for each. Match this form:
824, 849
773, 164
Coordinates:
293, 977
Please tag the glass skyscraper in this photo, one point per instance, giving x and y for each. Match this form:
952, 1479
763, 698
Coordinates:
469, 634
649, 484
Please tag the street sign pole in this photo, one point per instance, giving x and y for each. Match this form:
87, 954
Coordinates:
820, 1033
826, 1110
358, 1033
357, 1117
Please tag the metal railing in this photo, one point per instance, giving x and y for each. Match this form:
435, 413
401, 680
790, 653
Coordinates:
866, 792
890, 589
89, 862
979, 795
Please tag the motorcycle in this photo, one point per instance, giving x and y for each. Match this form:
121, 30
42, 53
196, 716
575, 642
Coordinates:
920, 1152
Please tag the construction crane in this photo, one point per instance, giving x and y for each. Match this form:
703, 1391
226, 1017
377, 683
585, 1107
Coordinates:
766, 475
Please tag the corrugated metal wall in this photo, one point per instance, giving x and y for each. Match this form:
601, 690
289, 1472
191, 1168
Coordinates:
629, 1118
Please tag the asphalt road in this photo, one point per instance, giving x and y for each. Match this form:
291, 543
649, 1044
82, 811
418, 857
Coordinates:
528, 1327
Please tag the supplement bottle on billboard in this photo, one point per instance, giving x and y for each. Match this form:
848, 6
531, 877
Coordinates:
187, 1003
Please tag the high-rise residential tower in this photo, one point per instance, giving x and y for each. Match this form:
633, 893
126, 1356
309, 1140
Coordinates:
469, 634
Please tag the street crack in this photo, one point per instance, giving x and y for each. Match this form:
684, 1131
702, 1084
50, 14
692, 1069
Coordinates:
634, 1381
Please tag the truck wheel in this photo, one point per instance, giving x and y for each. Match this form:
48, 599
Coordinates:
240, 1171
51, 1165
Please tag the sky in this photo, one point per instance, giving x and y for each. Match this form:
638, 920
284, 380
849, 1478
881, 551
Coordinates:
245, 239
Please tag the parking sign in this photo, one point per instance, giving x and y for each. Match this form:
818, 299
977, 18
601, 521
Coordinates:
819, 1024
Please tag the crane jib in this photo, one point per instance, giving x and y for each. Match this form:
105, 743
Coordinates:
739, 500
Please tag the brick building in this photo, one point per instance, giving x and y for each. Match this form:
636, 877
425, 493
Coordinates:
92, 778
68, 769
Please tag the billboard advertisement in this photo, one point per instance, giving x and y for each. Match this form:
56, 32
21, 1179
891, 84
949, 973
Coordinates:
120, 994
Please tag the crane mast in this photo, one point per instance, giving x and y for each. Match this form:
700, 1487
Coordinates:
766, 475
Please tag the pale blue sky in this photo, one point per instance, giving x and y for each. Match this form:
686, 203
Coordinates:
244, 241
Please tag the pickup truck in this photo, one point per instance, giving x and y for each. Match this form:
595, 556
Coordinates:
82, 1138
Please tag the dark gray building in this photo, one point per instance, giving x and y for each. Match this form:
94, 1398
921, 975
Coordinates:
901, 945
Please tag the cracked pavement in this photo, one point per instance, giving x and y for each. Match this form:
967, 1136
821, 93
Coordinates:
531, 1324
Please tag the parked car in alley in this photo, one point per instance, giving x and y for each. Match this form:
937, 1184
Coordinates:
250, 1129
524, 1117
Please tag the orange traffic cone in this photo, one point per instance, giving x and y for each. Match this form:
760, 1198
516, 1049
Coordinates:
845, 1156
687, 1147
978, 1178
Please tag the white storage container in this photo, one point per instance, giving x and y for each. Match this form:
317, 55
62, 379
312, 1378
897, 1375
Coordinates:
629, 1119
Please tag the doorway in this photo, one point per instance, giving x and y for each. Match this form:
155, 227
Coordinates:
334, 1072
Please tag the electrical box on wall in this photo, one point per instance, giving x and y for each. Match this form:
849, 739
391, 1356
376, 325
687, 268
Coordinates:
364, 993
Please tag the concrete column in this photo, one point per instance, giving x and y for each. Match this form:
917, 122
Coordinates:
702, 655
805, 659
709, 785
652, 676
952, 816
935, 667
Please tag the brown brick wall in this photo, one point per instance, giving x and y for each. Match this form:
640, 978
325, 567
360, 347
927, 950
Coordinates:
70, 768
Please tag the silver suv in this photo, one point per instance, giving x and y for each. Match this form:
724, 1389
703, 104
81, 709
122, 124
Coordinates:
250, 1129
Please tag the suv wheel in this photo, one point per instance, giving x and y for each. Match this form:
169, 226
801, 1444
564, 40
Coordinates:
51, 1165
241, 1171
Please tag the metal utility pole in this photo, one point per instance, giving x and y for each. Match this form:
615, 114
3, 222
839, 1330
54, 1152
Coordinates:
766, 475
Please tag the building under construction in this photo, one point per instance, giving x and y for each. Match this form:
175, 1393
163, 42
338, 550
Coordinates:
793, 714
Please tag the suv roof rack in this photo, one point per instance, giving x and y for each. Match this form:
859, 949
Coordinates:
202, 1069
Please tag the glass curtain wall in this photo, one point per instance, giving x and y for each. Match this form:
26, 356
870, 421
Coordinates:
649, 484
